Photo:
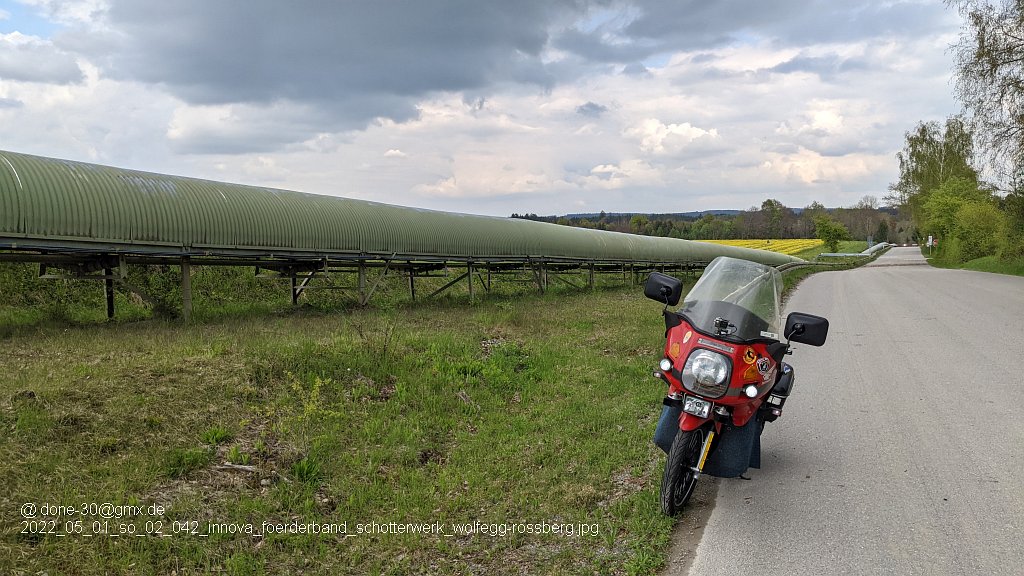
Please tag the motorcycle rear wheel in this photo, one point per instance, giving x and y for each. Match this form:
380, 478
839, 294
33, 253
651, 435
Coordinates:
679, 479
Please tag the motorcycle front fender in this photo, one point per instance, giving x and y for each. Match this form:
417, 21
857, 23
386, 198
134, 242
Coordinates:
690, 422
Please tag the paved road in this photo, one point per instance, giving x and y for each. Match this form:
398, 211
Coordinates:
901, 450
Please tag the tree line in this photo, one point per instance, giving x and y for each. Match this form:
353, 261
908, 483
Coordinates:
962, 181
772, 219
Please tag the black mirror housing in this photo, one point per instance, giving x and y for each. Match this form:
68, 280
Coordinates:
806, 328
663, 288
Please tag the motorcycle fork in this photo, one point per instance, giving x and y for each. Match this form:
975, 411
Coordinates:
704, 452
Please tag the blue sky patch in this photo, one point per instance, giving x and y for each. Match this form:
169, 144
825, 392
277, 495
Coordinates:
25, 19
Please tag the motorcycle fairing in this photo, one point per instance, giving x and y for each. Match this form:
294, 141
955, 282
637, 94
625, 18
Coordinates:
732, 453
751, 364
737, 448
668, 427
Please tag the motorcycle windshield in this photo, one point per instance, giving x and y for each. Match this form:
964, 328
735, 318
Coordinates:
744, 293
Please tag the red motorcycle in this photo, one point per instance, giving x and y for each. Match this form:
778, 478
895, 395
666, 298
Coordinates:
724, 370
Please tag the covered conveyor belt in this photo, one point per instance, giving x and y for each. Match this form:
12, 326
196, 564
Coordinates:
90, 217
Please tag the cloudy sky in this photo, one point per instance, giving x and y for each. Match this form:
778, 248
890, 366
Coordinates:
485, 106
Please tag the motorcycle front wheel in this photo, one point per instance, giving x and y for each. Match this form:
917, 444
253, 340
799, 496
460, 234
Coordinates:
679, 478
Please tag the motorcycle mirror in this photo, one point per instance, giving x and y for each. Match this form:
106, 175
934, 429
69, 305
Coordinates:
806, 328
663, 288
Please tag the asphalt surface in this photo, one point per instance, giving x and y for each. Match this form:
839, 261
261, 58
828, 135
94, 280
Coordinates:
901, 450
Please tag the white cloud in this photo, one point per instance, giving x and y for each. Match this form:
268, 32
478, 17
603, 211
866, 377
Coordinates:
32, 59
656, 137
70, 12
722, 124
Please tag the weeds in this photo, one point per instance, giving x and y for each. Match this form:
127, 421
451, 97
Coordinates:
236, 456
306, 470
182, 461
216, 435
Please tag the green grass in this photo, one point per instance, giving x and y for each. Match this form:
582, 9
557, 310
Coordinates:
519, 409
994, 264
984, 264
216, 435
792, 278
522, 408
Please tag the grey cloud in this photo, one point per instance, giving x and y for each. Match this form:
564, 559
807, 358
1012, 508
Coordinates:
782, 148
351, 62
591, 110
827, 67
305, 68
635, 69
704, 57
664, 26
10, 103
593, 46
844, 22
38, 62
672, 25
823, 142
262, 51
270, 128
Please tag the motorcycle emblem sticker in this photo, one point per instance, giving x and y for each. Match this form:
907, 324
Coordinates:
764, 365
749, 356
686, 337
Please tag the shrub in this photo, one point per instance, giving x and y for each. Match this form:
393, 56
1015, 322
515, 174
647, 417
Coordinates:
979, 228
830, 232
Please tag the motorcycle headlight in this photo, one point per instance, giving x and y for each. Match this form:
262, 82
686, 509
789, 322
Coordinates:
707, 372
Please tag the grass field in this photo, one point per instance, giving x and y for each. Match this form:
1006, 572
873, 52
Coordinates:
985, 264
530, 410
519, 413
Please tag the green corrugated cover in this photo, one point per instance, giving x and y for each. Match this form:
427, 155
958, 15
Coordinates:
59, 200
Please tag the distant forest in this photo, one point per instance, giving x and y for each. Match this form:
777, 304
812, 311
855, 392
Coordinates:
771, 220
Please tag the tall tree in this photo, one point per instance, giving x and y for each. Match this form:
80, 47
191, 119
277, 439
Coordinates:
867, 202
990, 80
933, 153
773, 212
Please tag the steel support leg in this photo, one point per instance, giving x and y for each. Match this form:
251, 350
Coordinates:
362, 281
108, 288
186, 288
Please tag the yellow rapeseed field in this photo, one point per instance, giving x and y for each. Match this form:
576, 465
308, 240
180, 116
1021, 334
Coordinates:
791, 246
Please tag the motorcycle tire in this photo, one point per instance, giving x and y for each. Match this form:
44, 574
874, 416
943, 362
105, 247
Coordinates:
679, 479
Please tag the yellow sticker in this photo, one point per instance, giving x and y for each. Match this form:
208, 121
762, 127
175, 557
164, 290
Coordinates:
673, 350
686, 338
750, 356
751, 373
